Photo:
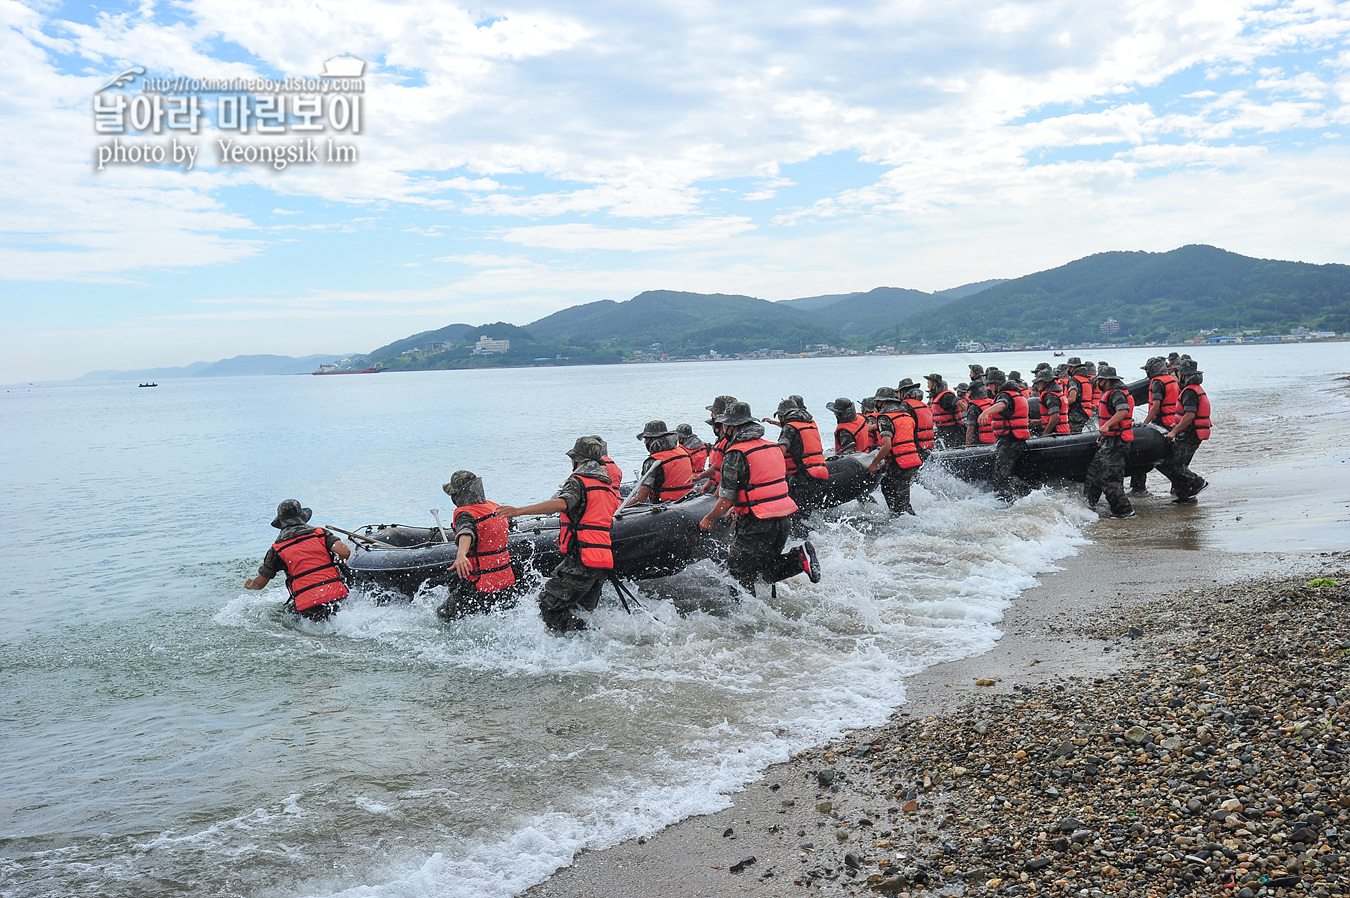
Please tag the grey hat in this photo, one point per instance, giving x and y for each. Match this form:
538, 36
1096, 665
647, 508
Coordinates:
842, 406
869, 405
905, 386
737, 413
1106, 372
886, 394
1187, 365
685, 430
1154, 366
720, 404
1173, 355
1074, 362
1042, 366
797, 401
290, 514
1046, 376
1015, 375
654, 430
936, 378
1089, 368
587, 448
962, 387
976, 370
604, 446
786, 406
465, 488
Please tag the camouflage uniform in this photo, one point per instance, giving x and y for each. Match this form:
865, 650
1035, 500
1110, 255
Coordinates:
1106, 473
573, 585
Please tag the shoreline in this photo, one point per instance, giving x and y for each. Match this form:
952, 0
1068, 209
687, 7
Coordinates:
1118, 605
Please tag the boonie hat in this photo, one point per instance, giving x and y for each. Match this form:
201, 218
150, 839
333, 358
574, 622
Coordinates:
842, 406
737, 413
290, 513
905, 386
464, 485
1106, 372
587, 448
655, 429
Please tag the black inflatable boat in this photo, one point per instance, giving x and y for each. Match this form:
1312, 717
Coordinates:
648, 540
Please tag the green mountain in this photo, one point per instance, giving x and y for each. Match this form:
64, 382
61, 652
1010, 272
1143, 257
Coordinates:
1153, 296
451, 334
525, 349
687, 324
859, 315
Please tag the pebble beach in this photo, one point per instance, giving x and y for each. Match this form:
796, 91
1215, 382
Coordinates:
1130, 741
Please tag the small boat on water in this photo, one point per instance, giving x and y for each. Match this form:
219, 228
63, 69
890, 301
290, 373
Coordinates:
148, 385
334, 369
660, 540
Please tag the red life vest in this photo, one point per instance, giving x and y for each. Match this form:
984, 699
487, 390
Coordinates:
862, 434
766, 494
1062, 425
1125, 429
985, 431
1014, 420
677, 473
1170, 411
923, 417
715, 461
311, 575
1086, 401
813, 454
942, 417
1201, 422
591, 533
698, 458
614, 471
489, 558
904, 448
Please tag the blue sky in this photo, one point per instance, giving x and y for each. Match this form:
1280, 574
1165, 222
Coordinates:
520, 158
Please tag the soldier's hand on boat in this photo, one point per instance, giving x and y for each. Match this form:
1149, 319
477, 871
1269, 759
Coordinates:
705, 524
461, 567
507, 511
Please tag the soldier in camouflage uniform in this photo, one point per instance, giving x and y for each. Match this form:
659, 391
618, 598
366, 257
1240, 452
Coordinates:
1106, 473
574, 584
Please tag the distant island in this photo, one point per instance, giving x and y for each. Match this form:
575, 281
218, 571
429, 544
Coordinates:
1194, 294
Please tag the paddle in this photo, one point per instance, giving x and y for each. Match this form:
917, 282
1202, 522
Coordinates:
361, 537
637, 488
436, 513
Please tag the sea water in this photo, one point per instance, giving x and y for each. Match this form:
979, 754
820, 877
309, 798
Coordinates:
165, 732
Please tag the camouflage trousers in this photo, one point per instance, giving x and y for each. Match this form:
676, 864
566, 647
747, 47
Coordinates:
757, 550
1077, 421
895, 484
1106, 474
1008, 452
1176, 467
572, 586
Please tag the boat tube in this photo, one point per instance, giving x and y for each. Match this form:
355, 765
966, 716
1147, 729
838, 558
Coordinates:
648, 540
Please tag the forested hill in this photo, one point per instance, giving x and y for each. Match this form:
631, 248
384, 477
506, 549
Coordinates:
1154, 296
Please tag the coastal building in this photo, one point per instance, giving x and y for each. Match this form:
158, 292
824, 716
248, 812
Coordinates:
488, 346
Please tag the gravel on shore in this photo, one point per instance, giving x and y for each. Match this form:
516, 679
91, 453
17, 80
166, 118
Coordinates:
1213, 764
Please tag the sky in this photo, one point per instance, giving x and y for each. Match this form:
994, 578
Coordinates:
518, 158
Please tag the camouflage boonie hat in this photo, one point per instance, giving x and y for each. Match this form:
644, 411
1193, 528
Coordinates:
1046, 376
464, 488
1074, 362
291, 513
905, 386
1106, 372
737, 413
886, 394
1155, 365
587, 449
720, 404
869, 405
842, 406
785, 406
685, 430
654, 430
